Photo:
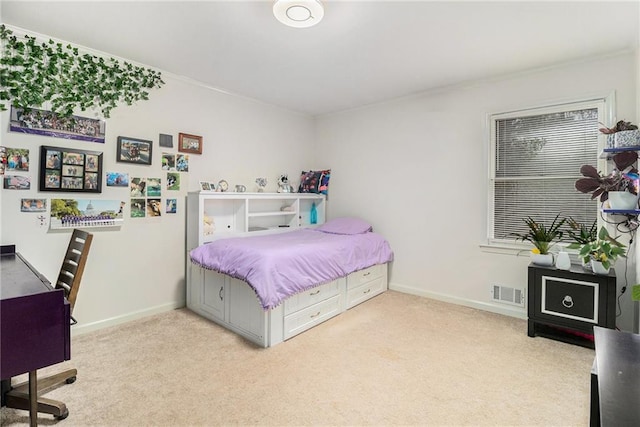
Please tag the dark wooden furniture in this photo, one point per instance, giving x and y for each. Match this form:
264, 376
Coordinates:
35, 328
615, 379
567, 304
67, 284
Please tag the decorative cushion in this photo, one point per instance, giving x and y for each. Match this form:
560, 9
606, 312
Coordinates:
346, 225
314, 181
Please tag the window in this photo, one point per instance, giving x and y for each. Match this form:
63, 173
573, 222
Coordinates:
536, 155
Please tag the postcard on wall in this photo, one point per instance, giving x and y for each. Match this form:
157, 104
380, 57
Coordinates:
154, 187
138, 187
172, 206
117, 179
182, 163
17, 159
47, 123
70, 212
154, 207
33, 205
17, 182
3, 159
168, 162
173, 181
138, 208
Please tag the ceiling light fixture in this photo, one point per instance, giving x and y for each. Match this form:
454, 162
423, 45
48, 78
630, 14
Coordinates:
298, 13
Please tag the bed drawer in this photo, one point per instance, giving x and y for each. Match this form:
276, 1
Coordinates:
363, 276
302, 320
362, 293
310, 297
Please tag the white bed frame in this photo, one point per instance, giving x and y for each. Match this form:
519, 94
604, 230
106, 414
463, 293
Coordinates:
233, 304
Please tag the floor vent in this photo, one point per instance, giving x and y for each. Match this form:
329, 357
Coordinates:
508, 295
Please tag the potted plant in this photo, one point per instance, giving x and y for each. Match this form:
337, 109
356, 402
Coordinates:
581, 235
622, 135
542, 238
621, 183
602, 252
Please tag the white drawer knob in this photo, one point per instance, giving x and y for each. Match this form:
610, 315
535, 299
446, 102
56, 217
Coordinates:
567, 301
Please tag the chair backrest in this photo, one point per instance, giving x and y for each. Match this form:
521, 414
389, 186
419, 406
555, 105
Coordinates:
73, 265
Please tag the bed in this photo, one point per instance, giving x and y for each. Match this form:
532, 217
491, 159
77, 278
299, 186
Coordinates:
269, 288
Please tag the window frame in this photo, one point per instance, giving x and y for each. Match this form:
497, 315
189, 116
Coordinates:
605, 105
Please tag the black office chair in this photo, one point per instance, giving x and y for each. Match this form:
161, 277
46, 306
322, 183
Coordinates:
69, 281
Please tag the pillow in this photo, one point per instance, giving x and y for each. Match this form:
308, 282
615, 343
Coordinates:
314, 181
347, 225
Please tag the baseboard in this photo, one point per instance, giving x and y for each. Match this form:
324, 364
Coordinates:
520, 313
80, 329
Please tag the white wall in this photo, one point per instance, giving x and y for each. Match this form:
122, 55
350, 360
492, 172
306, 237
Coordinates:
417, 169
139, 268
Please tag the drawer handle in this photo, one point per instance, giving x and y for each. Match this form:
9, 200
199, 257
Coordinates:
567, 301
220, 293
367, 291
366, 274
315, 315
315, 293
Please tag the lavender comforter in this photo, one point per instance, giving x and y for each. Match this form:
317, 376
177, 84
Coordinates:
277, 266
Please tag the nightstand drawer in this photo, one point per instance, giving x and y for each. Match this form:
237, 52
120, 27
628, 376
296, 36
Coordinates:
571, 299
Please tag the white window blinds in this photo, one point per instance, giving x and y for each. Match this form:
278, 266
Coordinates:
538, 155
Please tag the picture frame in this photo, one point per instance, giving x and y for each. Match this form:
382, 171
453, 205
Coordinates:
133, 150
189, 143
70, 170
205, 186
47, 123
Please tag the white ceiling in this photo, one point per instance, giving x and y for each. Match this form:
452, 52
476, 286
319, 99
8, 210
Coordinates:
362, 52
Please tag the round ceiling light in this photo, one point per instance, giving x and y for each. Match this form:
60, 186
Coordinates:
298, 13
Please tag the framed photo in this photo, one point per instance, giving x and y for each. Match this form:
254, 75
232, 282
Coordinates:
132, 150
189, 143
70, 170
47, 123
205, 186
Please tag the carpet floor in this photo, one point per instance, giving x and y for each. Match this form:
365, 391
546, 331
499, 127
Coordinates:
397, 359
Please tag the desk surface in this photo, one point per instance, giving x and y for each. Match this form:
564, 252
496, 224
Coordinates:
19, 278
618, 362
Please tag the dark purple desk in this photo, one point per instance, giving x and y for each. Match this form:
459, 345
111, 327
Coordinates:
615, 390
35, 323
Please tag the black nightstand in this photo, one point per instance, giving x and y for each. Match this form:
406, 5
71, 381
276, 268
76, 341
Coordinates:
567, 304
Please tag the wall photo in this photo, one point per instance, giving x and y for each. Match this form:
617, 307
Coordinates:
65, 169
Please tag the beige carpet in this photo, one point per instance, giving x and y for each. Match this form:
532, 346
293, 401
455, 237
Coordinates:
395, 360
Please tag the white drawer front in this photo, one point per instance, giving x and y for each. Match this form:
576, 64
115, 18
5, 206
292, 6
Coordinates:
310, 297
362, 293
363, 276
302, 320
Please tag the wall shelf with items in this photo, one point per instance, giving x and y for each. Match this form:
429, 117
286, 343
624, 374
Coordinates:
212, 215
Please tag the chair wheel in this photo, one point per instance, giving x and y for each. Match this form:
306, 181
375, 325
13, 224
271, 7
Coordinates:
64, 415
71, 381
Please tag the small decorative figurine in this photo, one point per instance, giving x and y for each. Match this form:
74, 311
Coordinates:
262, 183
283, 184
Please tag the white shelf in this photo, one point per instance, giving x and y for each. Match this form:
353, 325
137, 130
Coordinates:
213, 215
276, 213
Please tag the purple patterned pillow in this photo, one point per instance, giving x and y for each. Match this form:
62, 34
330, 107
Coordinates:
314, 181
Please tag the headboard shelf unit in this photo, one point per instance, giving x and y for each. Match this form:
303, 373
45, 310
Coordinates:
212, 215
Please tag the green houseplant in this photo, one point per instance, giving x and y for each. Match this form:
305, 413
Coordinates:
580, 235
602, 252
542, 237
